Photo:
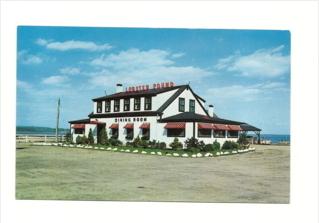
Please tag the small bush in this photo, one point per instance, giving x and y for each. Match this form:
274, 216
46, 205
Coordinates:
176, 144
136, 142
162, 145
229, 145
192, 143
84, 140
208, 148
78, 140
216, 146
104, 140
143, 143
152, 144
90, 137
115, 142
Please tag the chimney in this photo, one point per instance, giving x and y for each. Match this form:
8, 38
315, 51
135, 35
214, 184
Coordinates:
211, 110
119, 88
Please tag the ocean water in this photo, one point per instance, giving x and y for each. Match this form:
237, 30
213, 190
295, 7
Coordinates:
42, 133
274, 138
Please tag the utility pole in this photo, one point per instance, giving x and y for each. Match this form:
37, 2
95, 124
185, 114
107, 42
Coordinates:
57, 122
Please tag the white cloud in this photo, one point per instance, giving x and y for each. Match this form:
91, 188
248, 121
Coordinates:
23, 85
26, 58
134, 66
55, 80
262, 63
246, 92
70, 70
178, 55
73, 45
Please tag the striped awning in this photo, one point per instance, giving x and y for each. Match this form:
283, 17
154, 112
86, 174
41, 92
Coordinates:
145, 125
78, 126
129, 126
205, 126
235, 128
114, 126
175, 125
220, 127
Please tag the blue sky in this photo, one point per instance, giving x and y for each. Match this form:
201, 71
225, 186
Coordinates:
245, 74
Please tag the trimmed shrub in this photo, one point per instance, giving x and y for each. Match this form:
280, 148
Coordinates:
115, 142
143, 143
229, 145
104, 140
78, 140
176, 144
208, 147
162, 145
152, 144
216, 146
194, 143
90, 137
136, 142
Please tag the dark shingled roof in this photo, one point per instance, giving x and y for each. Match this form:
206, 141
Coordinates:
194, 117
150, 92
247, 127
80, 121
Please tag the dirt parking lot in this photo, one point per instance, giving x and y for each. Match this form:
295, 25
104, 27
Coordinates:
44, 172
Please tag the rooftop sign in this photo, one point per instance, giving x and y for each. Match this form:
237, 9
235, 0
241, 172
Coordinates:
147, 86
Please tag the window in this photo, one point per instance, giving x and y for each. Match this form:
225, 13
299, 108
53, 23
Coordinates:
148, 103
115, 133
175, 132
126, 104
78, 131
99, 107
191, 105
107, 106
145, 134
181, 104
232, 134
116, 105
219, 133
205, 133
129, 134
137, 104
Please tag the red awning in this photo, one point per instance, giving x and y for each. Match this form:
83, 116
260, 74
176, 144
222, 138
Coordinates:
205, 126
129, 126
114, 126
78, 126
145, 125
220, 127
234, 127
175, 125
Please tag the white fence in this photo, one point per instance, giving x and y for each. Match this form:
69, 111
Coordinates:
38, 138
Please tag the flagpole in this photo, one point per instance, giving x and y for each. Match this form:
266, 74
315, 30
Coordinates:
57, 121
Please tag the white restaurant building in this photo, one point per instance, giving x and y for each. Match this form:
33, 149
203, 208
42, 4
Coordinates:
160, 113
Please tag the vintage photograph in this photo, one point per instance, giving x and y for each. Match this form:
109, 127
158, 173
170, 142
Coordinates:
153, 114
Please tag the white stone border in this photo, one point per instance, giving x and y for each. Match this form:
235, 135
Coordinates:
142, 151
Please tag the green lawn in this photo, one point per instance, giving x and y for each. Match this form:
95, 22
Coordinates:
47, 172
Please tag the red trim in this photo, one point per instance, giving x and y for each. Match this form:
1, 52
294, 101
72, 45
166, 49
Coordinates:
145, 125
205, 126
220, 127
129, 126
175, 125
235, 128
114, 126
78, 126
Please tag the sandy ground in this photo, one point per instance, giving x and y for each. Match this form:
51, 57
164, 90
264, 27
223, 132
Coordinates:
74, 174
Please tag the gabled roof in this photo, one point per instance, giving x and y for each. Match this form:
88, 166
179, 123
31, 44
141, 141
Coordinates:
150, 92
